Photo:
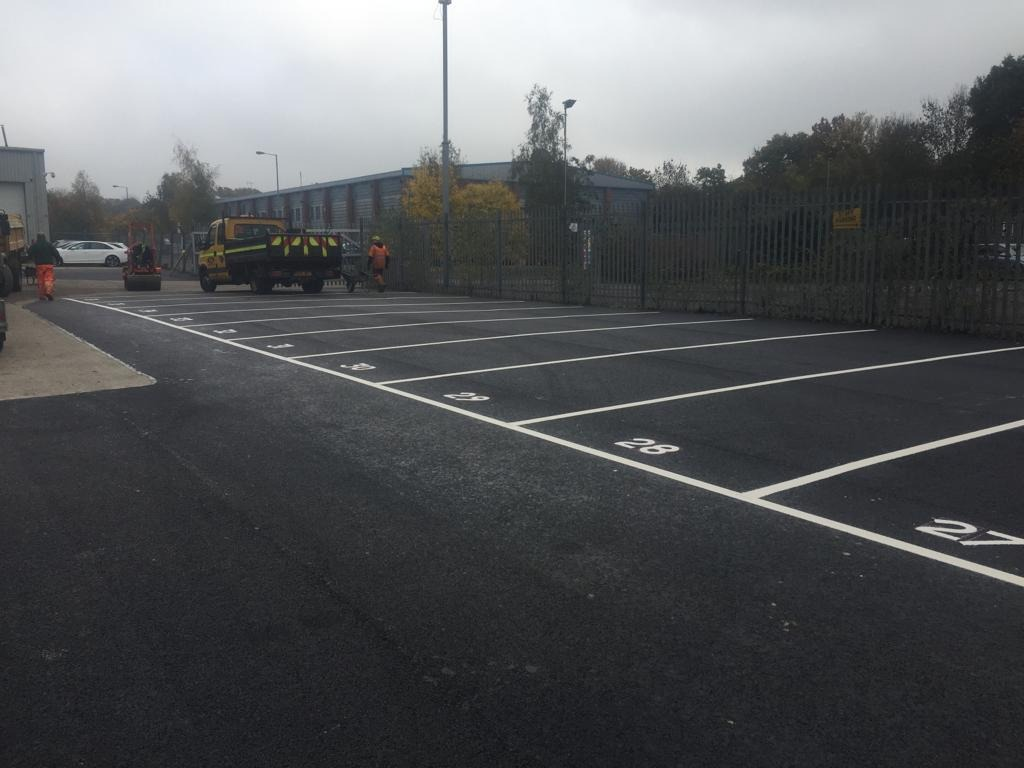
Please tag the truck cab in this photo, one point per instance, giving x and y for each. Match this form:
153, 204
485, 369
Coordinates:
262, 253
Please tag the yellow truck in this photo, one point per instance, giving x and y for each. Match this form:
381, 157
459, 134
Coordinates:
13, 249
262, 253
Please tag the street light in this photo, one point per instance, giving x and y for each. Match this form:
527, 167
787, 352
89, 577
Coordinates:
125, 188
277, 176
445, 201
565, 152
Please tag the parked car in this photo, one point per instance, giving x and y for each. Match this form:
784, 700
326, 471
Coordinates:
93, 252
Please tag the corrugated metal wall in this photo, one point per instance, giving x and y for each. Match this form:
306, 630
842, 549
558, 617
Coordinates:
28, 167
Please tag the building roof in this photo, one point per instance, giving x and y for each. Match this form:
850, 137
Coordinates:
467, 171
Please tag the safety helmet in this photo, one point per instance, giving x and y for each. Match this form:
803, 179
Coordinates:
377, 239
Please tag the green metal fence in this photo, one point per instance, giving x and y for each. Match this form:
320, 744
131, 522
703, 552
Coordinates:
946, 260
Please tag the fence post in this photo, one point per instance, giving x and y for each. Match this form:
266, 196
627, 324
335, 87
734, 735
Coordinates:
646, 237
499, 252
563, 253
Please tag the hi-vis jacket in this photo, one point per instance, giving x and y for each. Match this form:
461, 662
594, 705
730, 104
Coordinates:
379, 256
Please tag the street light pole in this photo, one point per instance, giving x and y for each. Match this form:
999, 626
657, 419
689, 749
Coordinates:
565, 151
277, 176
445, 158
125, 188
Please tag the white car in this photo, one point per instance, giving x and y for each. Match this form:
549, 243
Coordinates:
93, 252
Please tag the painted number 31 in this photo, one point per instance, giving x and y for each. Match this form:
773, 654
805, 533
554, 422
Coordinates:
650, 447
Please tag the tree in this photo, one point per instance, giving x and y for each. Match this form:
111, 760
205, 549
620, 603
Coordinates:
540, 164
710, 178
781, 163
421, 197
946, 128
226, 192
475, 200
78, 211
900, 154
640, 174
608, 165
997, 121
189, 193
671, 175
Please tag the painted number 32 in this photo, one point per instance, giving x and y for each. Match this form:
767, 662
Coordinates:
967, 534
645, 445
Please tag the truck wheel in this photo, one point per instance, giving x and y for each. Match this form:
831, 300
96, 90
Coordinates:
206, 283
313, 286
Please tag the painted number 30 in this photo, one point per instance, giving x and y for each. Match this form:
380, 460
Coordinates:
650, 447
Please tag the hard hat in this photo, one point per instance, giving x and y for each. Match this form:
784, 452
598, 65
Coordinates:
377, 239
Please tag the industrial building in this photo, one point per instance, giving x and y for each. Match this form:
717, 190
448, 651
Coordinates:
23, 187
343, 203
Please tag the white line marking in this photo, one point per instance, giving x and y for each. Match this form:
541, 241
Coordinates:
756, 384
881, 458
536, 333
624, 354
413, 325
903, 546
268, 320
335, 305
250, 298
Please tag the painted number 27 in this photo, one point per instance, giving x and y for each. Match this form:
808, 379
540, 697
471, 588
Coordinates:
648, 446
967, 534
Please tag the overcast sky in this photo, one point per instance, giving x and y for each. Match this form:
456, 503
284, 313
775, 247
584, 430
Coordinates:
347, 88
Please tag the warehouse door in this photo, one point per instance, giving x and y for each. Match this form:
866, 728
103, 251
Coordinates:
12, 197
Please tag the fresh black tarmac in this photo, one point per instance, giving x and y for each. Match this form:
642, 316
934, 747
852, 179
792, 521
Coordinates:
256, 563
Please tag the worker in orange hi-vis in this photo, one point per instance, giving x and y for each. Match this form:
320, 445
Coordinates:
378, 260
45, 256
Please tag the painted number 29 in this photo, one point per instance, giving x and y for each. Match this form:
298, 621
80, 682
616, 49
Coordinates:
967, 534
645, 445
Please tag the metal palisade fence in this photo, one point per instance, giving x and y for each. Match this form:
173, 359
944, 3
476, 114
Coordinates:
950, 260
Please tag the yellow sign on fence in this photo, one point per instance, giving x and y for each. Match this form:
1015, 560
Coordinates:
848, 219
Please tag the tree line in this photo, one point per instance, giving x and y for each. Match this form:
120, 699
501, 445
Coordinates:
973, 136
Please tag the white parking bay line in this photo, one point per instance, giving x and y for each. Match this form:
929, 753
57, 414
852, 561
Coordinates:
862, 533
413, 325
624, 354
267, 320
756, 384
203, 299
853, 466
535, 333
268, 307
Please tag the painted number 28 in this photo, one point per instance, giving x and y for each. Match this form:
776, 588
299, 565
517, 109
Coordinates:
967, 534
650, 447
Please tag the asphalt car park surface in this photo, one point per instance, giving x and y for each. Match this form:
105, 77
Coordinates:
807, 550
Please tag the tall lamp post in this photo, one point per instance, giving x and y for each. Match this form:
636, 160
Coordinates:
277, 175
125, 188
565, 152
445, 158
